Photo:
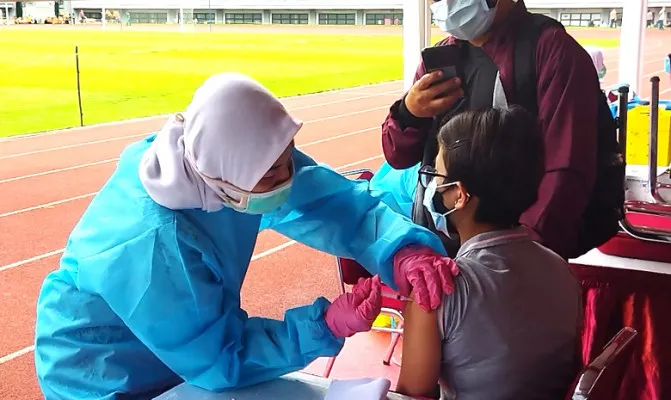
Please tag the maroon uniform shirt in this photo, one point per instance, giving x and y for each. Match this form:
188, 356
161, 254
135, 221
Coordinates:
567, 114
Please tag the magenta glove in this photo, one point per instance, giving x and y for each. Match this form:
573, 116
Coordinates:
355, 311
420, 270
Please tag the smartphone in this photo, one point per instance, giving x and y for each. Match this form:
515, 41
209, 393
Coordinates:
443, 58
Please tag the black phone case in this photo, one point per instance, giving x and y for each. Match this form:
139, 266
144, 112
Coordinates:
443, 58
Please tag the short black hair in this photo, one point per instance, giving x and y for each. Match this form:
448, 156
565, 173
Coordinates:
498, 155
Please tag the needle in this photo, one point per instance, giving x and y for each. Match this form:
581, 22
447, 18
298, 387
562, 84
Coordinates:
395, 296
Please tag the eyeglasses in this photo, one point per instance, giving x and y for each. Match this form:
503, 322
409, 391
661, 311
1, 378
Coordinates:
427, 174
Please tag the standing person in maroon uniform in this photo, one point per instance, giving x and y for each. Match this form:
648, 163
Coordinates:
567, 110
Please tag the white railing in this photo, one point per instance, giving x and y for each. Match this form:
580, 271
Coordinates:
608, 4
326, 4
240, 4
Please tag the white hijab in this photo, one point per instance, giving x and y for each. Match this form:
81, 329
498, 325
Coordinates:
233, 131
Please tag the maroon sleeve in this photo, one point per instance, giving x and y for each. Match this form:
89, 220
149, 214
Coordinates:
567, 103
403, 134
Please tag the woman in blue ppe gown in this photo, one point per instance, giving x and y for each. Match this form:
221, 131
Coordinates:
148, 290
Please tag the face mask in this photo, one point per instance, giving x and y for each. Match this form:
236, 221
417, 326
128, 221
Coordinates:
254, 203
602, 73
439, 220
464, 19
262, 203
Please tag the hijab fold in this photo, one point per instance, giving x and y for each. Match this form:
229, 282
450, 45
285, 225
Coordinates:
233, 131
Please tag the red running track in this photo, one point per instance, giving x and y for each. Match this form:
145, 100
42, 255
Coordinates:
48, 180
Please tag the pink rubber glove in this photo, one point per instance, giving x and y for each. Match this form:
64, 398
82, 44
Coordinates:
420, 270
356, 311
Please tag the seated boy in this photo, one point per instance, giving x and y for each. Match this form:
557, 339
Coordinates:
510, 330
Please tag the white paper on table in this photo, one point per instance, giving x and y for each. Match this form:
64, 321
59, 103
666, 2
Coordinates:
359, 389
636, 184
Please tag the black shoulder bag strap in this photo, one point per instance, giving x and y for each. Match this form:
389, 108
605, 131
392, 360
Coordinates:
524, 61
428, 157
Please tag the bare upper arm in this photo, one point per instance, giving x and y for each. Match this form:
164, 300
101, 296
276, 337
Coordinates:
420, 369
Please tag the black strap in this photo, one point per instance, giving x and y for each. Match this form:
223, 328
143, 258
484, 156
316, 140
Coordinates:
524, 61
428, 157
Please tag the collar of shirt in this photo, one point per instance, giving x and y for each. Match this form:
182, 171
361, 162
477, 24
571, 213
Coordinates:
505, 29
494, 238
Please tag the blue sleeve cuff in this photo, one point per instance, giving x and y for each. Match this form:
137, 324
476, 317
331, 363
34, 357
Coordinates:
320, 342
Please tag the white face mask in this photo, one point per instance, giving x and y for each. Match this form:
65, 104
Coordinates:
250, 202
463, 19
439, 220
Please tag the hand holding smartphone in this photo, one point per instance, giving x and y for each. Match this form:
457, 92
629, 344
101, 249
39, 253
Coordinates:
445, 59
431, 96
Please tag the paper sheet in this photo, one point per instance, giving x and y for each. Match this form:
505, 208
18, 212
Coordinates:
359, 389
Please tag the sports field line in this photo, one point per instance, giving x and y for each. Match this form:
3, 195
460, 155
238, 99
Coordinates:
94, 163
142, 119
60, 251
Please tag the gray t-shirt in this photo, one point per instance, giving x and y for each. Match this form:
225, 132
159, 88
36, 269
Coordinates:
510, 330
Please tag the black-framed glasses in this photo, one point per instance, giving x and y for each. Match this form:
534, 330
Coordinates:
427, 173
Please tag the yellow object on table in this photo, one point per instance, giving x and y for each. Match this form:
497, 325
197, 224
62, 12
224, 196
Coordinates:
385, 321
638, 136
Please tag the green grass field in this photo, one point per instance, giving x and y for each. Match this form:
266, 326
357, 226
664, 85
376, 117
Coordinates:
135, 74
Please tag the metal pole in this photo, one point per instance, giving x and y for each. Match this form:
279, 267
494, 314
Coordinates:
209, 14
79, 90
181, 19
622, 120
428, 19
632, 35
653, 139
104, 18
414, 37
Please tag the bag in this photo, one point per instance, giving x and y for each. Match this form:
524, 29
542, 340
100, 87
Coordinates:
606, 207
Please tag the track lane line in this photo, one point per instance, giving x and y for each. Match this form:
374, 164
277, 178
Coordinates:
94, 163
57, 202
60, 251
120, 123
145, 134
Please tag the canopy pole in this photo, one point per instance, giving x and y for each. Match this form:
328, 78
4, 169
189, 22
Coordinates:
416, 36
632, 36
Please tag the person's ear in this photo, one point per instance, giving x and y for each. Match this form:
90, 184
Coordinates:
462, 197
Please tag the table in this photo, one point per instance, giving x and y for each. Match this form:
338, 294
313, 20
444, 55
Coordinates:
295, 386
618, 292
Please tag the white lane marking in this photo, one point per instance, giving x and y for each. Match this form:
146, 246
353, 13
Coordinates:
70, 146
91, 164
263, 254
142, 119
16, 354
47, 205
31, 259
54, 171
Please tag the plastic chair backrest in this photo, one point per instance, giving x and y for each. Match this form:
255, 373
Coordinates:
601, 379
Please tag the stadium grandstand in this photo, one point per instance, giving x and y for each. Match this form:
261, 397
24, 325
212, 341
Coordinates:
293, 12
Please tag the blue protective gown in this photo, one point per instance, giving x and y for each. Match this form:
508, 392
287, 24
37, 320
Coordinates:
146, 297
396, 187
